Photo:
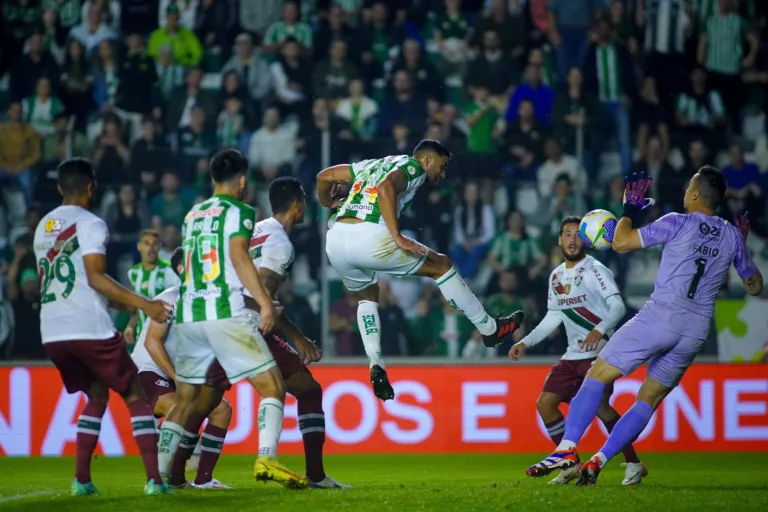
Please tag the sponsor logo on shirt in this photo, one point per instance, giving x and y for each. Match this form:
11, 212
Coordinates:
360, 207
162, 383
53, 227
248, 224
202, 294
201, 214
599, 278
570, 301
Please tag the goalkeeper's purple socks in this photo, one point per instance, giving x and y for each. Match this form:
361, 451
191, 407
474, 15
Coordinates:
582, 411
627, 429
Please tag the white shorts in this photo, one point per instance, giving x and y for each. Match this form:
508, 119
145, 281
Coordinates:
235, 342
359, 251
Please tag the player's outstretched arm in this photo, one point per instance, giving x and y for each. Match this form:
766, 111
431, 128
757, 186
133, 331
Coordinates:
626, 239
238, 253
95, 268
548, 324
155, 345
326, 181
754, 284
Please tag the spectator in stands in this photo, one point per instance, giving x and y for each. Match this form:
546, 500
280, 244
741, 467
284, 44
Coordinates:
231, 87
380, 40
230, 124
494, 69
427, 80
110, 12
19, 152
20, 20
613, 198
297, 308
403, 105
449, 32
257, 17
187, 10
126, 218
180, 107
216, 24
700, 109
149, 153
331, 77
92, 30
563, 202
138, 77
485, 129
202, 179
721, 51
54, 36
106, 76
697, 156
173, 202
187, 50
524, 140
76, 80
395, 331
41, 108
609, 74
292, 79
170, 239
556, 164
443, 331
251, 67
334, 28
343, 325
111, 155
654, 164
570, 21
473, 230
23, 292
515, 248
576, 108
290, 26
507, 297
194, 141
30, 67
139, 15
272, 150
540, 59
533, 90
357, 113
745, 190
508, 24
651, 117
310, 142
170, 76
64, 142
69, 11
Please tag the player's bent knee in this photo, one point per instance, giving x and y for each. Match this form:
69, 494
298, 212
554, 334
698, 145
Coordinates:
269, 384
547, 406
301, 382
221, 415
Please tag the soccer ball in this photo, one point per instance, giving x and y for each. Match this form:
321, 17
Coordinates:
597, 228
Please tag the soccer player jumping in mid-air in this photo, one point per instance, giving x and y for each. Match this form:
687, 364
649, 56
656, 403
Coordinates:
70, 247
366, 240
583, 296
671, 328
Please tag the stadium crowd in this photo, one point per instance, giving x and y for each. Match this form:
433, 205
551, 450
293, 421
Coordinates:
545, 104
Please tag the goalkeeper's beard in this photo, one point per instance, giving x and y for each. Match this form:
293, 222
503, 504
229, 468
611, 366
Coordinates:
574, 258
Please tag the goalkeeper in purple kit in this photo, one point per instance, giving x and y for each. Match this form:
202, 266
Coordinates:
671, 328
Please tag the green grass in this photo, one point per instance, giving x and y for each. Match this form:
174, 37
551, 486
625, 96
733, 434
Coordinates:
403, 482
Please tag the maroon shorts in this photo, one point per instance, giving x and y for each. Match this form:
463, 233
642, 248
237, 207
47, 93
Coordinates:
216, 377
81, 363
155, 386
565, 378
286, 358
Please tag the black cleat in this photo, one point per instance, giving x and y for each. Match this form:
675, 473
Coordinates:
380, 382
505, 326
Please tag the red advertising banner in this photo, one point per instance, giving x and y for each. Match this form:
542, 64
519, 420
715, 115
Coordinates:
718, 407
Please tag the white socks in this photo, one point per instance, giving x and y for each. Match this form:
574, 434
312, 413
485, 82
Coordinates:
270, 425
370, 330
170, 437
458, 295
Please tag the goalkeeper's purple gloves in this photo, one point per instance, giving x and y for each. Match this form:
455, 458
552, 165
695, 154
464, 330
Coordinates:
637, 186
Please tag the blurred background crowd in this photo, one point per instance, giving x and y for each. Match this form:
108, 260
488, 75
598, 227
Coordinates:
545, 104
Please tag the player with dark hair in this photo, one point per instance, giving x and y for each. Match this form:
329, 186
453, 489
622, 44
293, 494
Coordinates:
272, 253
584, 297
153, 355
70, 246
670, 330
213, 324
365, 239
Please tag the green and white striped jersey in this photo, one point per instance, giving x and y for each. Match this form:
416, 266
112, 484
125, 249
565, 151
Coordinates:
725, 43
609, 74
149, 283
210, 288
362, 201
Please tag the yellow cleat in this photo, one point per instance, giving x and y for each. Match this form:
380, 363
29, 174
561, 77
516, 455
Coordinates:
268, 469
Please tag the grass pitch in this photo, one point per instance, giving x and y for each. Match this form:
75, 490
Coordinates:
403, 482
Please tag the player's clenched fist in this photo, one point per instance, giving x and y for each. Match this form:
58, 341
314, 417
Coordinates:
158, 311
517, 351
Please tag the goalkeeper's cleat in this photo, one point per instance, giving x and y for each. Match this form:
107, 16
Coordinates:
590, 470
380, 382
560, 459
505, 326
153, 489
328, 483
211, 484
566, 476
78, 489
634, 473
268, 469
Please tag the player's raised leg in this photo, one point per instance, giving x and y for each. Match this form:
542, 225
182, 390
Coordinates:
369, 323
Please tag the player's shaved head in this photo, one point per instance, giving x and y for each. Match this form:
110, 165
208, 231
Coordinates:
176, 259
284, 192
227, 165
432, 146
75, 176
711, 184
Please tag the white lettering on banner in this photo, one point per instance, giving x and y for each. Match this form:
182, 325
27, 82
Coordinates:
15, 433
678, 403
243, 428
735, 407
292, 434
369, 416
472, 411
423, 419
630, 386
63, 428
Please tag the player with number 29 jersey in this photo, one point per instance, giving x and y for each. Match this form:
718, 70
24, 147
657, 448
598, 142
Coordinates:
62, 239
